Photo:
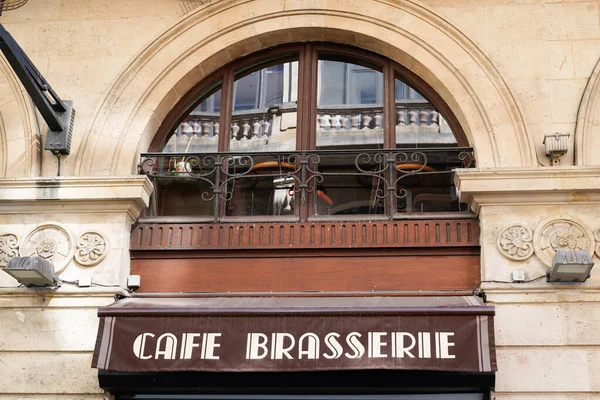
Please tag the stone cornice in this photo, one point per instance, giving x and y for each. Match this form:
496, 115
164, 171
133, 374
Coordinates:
128, 194
528, 186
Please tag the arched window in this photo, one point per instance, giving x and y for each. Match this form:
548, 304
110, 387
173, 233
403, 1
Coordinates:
308, 131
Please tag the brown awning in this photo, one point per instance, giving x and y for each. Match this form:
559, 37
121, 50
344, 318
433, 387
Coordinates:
296, 334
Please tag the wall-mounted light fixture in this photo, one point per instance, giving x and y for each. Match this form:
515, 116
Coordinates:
557, 145
570, 266
32, 271
9, 5
58, 114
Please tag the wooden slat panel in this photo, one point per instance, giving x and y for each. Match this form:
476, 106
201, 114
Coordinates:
308, 273
322, 235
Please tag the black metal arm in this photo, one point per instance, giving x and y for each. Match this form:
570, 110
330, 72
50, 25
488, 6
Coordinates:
57, 113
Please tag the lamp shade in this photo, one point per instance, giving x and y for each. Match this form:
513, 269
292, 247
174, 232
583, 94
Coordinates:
570, 266
32, 271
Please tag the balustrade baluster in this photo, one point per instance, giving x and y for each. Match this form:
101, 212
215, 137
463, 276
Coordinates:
335, 122
435, 118
320, 121
343, 122
412, 117
187, 128
401, 117
235, 128
266, 126
205, 128
255, 128
245, 129
424, 117
366, 120
197, 128
354, 121
326, 121
378, 120
216, 128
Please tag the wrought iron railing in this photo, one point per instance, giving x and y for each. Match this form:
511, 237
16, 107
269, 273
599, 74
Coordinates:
389, 177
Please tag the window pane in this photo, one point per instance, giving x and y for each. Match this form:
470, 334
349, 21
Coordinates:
264, 109
427, 187
418, 122
348, 187
199, 130
184, 195
405, 92
349, 106
349, 116
263, 185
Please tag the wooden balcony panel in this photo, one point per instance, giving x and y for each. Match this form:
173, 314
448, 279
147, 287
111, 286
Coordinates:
316, 235
311, 271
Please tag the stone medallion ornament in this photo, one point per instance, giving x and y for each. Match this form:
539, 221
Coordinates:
516, 243
91, 249
560, 233
52, 242
9, 248
597, 237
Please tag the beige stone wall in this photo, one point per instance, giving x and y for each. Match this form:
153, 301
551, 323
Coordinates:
546, 51
547, 343
511, 70
47, 342
546, 334
47, 335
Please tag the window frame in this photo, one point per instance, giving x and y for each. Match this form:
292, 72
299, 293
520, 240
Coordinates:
308, 55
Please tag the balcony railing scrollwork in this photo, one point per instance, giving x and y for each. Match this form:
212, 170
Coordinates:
309, 183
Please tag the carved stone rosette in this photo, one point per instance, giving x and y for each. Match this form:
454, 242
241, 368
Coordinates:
52, 242
9, 248
516, 243
91, 249
560, 233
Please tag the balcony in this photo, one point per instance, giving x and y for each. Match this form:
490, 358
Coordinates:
334, 182
308, 185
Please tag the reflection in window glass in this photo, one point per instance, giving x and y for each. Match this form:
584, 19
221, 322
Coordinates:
349, 106
349, 116
430, 190
263, 119
405, 92
264, 188
261, 128
344, 190
264, 109
182, 195
418, 123
199, 130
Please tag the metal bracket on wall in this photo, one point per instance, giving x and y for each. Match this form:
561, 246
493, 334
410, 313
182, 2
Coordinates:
58, 114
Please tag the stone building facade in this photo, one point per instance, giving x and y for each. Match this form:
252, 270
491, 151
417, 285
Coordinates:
510, 71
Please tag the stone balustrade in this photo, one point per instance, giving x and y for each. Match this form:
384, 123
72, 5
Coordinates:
275, 129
